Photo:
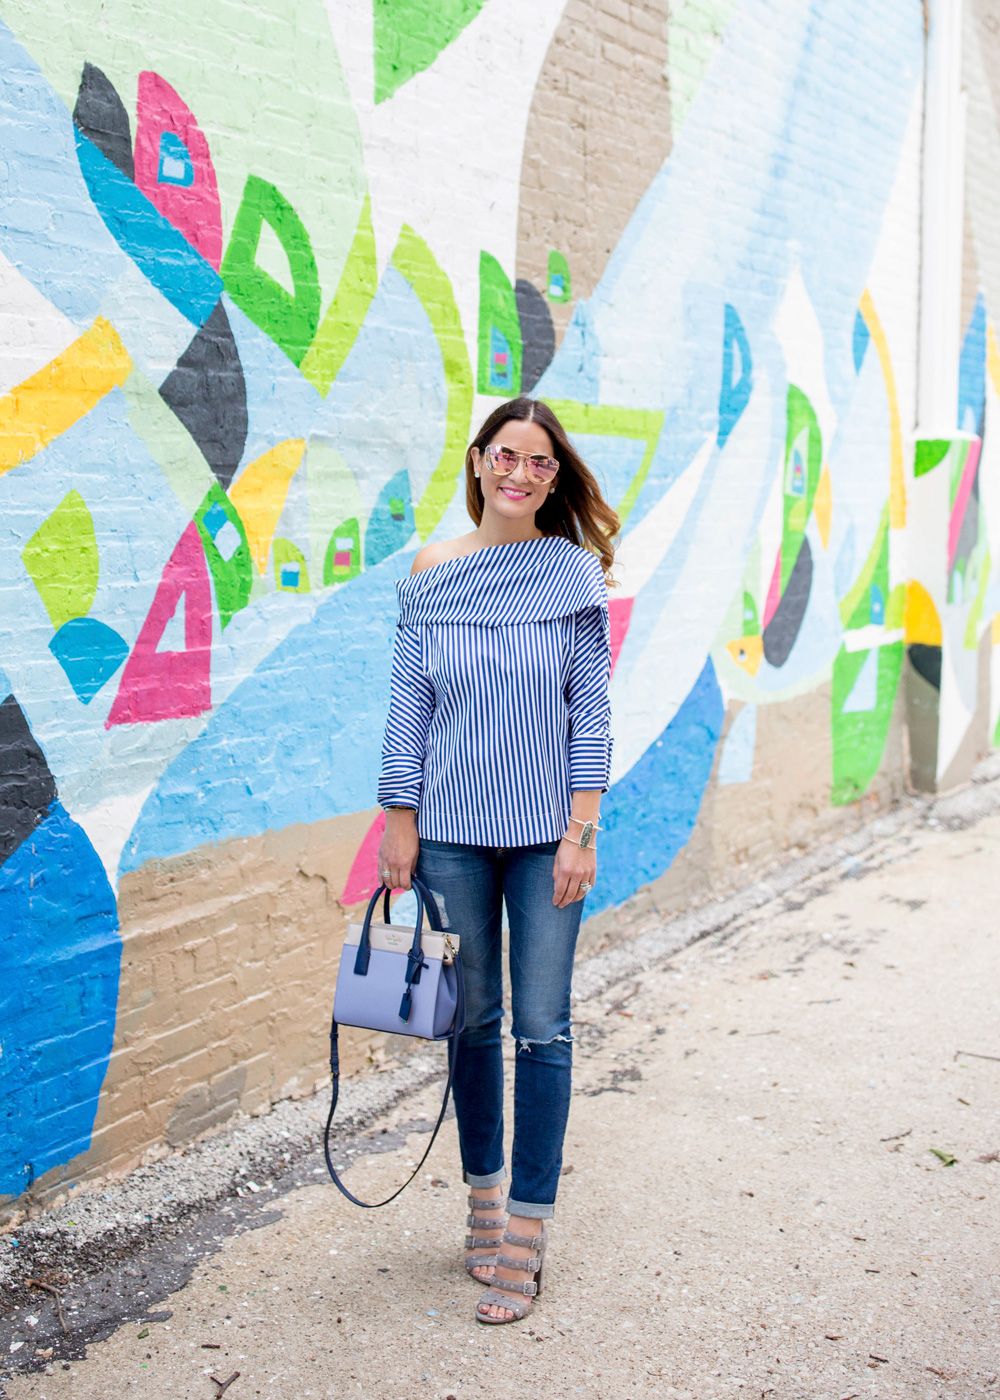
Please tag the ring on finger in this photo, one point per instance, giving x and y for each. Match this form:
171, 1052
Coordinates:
585, 886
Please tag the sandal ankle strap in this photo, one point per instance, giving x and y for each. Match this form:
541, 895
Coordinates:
482, 1222
498, 1203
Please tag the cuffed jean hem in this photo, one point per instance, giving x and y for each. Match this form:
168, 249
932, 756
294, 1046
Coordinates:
494, 1178
529, 1211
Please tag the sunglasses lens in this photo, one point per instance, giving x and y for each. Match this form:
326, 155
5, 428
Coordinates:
500, 461
541, 469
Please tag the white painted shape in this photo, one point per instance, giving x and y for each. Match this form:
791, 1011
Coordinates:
271, 258
872, 635
798, 330
863, 695
152, 330
458, 184
959, 685
32, 331
646, 694
642, 549
894, 275
109, 825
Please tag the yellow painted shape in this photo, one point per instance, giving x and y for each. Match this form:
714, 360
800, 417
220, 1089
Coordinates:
993, 356
823, 505
897, 484
41, 409
921, 622
259, 495
995, 629
747, 652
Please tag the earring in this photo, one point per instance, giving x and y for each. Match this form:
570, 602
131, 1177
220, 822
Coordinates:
552, 490
477, 476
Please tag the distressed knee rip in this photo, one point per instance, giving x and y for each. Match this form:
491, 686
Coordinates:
525, 1042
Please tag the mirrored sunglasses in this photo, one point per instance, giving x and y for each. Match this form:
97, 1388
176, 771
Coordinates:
503, 460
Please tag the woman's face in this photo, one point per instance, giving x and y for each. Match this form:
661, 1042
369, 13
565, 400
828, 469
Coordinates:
515, 497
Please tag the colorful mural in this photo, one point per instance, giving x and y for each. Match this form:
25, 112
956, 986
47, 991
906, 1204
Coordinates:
258, 295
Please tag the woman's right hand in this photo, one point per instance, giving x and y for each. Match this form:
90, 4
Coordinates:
399, 848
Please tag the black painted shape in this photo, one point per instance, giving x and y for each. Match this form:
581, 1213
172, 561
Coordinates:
208, 393
101, 115
926, 661
27, 788
538, 336
781, 631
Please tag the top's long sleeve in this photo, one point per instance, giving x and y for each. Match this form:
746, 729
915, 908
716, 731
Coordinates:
411, 706
588, 703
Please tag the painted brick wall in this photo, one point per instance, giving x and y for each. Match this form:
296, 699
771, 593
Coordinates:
262, 272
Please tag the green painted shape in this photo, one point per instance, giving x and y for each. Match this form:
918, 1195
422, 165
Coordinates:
971, 638
289, 320
415, 261
750, 617
559, 267
497, 311
694, 28
802, 434
169, 443
340, 573
859, 737
854, 608
637, 424
284, 552
346, 313
265, 82
928, 453
409, 35
62, 560
232, 576
895, 608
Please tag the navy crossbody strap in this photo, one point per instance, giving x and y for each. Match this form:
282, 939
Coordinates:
452, 1061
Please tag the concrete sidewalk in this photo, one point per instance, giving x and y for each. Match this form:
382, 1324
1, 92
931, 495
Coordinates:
758, 1199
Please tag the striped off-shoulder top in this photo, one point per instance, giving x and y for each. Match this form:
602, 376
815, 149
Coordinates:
499, 703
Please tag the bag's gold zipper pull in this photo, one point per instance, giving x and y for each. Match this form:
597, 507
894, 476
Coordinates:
449, 949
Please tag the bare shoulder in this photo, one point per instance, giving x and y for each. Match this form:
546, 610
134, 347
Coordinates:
443, 550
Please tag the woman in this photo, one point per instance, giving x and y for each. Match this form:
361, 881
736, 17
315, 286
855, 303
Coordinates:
496, 754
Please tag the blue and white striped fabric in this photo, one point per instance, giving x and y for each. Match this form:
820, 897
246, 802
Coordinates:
499, 708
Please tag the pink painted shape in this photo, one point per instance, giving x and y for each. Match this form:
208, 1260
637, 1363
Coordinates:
962, 497
363, 880
342, 559
159, 685
619, 613
773, 592
193, 210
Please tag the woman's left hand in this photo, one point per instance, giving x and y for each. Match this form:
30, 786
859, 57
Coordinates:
573, 867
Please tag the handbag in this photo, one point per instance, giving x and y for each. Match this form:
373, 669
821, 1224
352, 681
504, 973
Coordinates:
403, 980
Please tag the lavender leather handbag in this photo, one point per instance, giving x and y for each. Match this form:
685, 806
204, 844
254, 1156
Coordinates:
399, 979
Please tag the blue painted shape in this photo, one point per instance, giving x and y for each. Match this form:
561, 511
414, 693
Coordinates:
648, 815
501, 361
388, 531
60, 955
864, 692
176, 166
575, 373
844, 570
736, 762
298, 741
289, 575
876, 605
972, 372
734, 395
163, 254
48, 216
215, 518
613, 460
89, 652
862, 335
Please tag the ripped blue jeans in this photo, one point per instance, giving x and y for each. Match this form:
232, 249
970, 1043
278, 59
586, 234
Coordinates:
475, 881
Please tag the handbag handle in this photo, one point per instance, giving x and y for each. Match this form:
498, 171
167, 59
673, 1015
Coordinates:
457, 1030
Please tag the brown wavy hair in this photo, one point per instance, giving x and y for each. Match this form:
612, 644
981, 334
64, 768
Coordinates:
577, 511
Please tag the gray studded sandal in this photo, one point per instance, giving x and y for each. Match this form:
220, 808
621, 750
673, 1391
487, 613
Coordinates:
515, 1297
482, 1222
